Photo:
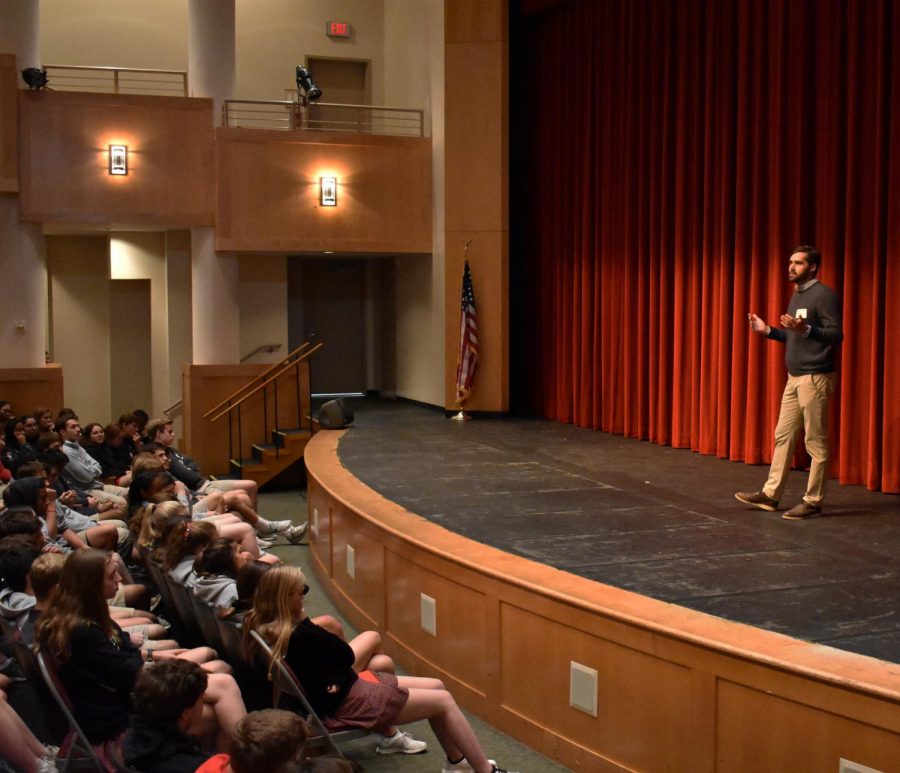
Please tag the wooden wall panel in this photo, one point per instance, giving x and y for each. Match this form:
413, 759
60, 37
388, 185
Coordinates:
366, 587
760, 731
204, 386
476, 191
30, 388
9, 163
63, 141
268, 192
461, 645
642, 712
677, 690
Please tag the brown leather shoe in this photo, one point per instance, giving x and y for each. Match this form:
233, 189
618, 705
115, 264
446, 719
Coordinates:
757, 499
801, 511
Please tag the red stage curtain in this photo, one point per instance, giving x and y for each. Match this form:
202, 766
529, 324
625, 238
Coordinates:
675, 152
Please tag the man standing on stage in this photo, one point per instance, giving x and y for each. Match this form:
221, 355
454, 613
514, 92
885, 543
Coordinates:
812, 331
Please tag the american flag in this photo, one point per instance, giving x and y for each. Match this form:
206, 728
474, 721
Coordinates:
467, 361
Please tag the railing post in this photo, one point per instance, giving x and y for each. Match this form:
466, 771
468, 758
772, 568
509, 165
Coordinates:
299, 413
240, 440
266, 417
230, 440
275, 387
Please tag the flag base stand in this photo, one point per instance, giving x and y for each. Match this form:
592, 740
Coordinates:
461, 416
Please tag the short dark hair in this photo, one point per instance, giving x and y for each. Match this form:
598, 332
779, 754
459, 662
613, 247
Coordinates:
16, 557
163, 691
63, 420
19, 520
267, 740
217, 558
54, 458
30, 469
813, 256
151, 428
47, 439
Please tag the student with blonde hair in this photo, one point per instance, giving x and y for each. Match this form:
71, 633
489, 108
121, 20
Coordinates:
328, 668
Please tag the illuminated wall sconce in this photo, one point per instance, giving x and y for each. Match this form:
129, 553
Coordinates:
328, 191
118, 159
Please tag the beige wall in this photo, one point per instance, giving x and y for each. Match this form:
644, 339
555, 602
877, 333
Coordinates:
78, 268
403, 39
142, 255
115, 33
130, 350
263, 305
420, 281
272, 37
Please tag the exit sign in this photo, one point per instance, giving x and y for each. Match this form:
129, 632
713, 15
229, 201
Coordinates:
338, 29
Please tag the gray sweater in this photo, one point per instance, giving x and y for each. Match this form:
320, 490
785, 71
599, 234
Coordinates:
819, 306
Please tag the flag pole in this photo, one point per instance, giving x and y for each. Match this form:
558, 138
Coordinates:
463, 380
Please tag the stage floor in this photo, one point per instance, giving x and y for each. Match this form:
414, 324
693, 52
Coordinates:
658, 521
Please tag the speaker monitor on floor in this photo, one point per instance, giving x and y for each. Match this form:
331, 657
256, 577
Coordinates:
335, 414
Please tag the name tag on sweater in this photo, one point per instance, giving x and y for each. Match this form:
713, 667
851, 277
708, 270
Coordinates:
800, 314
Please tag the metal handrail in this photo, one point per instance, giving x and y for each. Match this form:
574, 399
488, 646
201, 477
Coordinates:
293, 115
117, 72
265, 373
285, 369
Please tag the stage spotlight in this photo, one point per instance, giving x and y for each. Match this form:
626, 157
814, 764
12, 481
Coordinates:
35, 77
306, 85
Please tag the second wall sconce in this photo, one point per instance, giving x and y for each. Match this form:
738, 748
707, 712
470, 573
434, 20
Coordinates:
118, 159
328, 191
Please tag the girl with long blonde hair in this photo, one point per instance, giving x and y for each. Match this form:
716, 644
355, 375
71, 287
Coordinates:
373, 700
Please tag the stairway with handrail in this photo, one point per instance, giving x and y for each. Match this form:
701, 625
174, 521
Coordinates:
252, 415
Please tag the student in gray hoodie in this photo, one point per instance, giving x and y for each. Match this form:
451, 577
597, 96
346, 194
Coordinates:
217, 567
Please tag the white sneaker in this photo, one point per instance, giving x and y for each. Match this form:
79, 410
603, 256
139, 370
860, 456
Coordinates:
401, 743
462, 766
295, 534
264, 544
278, 527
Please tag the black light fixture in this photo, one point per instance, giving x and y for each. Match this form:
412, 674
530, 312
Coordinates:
35, 77
306, 85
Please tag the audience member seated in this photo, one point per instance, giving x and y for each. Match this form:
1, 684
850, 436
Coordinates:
44, 418
34, 493
32, 431
151, 483
17, 451
6, 410
270, 740
217, 567
83, 469
166, 714
182, 547
18, 745
17, 553
187, 470
113, 469
377, 701
97, 661
74, 497
239, 499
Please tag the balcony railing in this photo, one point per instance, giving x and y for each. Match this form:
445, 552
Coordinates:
294, 115
117, 80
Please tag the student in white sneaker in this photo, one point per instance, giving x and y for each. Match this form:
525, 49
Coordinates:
326, 667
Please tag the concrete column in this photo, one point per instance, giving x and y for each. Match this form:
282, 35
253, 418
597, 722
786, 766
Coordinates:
214, 300
23, 290
20, 33
211, 51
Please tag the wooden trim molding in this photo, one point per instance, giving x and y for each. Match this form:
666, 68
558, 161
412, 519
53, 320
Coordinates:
675, 689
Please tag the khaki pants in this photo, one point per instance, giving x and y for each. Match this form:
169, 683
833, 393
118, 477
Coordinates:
804, 403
